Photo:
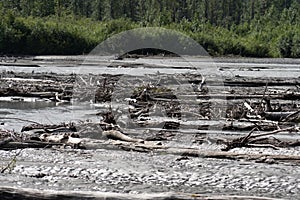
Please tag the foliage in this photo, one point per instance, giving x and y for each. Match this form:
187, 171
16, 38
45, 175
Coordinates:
289, 43
247, 28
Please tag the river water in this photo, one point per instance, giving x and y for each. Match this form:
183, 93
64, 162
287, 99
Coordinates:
45, 112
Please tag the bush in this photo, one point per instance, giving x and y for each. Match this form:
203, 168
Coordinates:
285, 44
35, 36
295, 50
76, 35
116, 26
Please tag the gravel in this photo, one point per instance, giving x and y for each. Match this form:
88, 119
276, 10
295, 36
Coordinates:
133, 172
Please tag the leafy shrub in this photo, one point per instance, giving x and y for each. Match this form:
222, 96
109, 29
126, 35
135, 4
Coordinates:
285, 44
295, 50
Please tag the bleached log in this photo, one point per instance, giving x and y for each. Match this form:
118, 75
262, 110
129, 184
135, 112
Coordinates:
191, 152
14, 193
117, 135
28, 80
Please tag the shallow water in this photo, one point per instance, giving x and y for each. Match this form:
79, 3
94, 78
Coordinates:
50, 113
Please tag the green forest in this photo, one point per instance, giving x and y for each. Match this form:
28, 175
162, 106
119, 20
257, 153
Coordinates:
252, 28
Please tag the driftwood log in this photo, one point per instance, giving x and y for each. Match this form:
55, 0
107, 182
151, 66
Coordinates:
250, 139
153, 147
157, 147
117, 135
13, 193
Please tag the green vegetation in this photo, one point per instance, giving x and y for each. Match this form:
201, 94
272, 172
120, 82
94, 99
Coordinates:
258, 28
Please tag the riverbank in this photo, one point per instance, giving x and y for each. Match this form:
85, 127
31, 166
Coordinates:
229, 127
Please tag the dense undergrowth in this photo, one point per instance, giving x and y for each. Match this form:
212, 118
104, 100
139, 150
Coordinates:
70, 34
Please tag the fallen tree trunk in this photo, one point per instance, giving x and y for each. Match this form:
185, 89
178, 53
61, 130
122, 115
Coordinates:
191, 152
28, 144
277, 116
13, 193
250, 140
117, 135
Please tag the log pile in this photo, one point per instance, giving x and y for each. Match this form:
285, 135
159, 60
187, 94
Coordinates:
53, 87
264, 111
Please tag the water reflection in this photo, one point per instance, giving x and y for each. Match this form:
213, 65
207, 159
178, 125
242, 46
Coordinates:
21, 105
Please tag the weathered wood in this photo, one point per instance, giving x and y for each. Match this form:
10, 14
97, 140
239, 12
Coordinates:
117, 135
259, 82
277, 116
153, 147
251, 140
14, 193
28, 144
38, 85
50, 128
5, 142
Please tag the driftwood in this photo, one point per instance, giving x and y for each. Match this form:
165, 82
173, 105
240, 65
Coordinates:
295, 116
65, 138
143, 100
13, 193
293, 96
50, 128
255, 82
117, 135
48, 86
45, 140
250, 140
46, 136
41, 138
279, 116
157, 147
119, 140
232, 156
5, 141
29, 144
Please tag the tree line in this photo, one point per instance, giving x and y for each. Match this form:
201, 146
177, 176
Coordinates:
261, 28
